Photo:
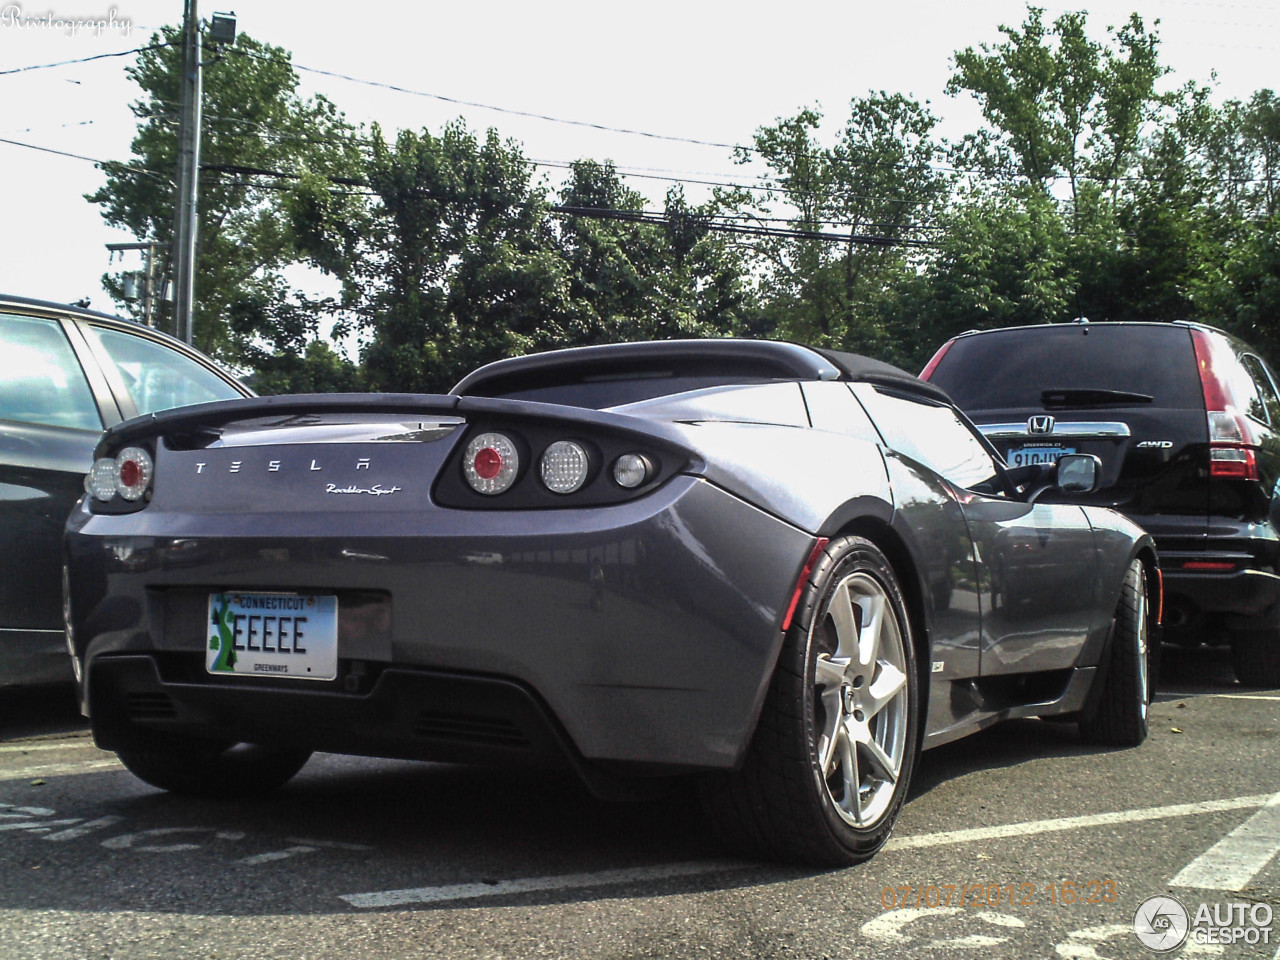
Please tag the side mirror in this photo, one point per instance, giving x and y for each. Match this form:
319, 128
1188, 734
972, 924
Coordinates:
1078, 473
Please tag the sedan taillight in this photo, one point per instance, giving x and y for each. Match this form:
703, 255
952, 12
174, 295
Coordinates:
127, 475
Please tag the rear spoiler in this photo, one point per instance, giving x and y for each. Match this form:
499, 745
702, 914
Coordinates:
208, 417
204, 416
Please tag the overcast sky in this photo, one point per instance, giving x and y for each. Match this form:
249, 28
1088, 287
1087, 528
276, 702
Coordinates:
701, 70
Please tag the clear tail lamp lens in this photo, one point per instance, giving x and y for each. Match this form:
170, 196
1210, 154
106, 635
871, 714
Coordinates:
101, 480
133, 471
564, 466
490, 463
630, 470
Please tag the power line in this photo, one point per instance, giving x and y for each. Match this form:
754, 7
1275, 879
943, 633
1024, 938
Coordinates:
633, 216
100, 56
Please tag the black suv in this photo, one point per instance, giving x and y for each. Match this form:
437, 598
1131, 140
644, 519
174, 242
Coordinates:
1186, 422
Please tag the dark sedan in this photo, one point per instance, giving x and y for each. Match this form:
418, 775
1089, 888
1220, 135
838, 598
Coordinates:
779, 571
65, 373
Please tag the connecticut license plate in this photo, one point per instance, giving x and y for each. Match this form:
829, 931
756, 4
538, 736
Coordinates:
1026, 456
273, 635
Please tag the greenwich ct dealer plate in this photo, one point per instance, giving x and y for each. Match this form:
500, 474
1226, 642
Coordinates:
273, 635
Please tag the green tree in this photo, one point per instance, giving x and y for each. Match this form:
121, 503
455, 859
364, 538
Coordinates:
448, 263
1059, 104
879, 185
1070, 136
631, 277
253, 120
1000, 262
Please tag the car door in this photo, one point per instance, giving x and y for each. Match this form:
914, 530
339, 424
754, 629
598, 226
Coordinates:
1035, 565
50, 419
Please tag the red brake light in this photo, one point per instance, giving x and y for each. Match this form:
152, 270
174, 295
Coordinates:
1231, 440
488, 463
130, 473
932, 365
133, 469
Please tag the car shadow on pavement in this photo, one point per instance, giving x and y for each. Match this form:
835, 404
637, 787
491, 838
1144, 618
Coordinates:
39, 711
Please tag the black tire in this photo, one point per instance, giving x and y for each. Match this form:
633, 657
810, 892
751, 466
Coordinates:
1255, 656
205, 768
1120, 714
830, 720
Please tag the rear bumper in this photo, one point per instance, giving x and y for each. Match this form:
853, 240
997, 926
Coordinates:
642, 634
406, 714
1245, 593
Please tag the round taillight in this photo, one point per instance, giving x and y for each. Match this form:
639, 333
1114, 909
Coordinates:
564, 466
101, 480
630, 470
133, 472
490, 463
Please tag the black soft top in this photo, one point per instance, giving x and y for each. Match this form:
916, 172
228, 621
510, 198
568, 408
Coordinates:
671, 366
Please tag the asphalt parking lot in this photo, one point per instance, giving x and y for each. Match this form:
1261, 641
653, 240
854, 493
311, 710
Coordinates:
1017, 842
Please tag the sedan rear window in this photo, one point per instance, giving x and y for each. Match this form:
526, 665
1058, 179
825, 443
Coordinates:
1057, 367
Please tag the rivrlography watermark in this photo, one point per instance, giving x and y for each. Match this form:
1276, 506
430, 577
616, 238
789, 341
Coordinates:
1163, 923
13, 17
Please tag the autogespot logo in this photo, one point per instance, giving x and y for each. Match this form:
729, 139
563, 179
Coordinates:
1161, 923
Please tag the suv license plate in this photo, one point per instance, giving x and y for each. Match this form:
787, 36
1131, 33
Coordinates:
1027, 456
273, 635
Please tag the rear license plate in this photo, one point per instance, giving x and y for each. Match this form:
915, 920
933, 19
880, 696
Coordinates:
273, 635
1028, 456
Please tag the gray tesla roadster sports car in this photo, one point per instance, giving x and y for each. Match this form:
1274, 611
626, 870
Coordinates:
780, 570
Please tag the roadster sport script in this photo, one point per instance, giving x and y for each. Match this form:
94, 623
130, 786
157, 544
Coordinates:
273, 634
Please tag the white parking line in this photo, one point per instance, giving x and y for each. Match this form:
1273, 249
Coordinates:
61, 769
1239, 856
78, 744
568, 881
1075, 823
602, 878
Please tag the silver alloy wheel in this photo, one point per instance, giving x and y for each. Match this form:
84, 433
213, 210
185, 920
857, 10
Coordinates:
862, 695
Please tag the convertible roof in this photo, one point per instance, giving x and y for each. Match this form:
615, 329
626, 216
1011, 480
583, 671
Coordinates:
726, 357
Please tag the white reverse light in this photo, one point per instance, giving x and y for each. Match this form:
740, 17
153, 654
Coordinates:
564, 466
101, 480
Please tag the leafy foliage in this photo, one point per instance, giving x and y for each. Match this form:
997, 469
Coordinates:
254, 119
1089, 190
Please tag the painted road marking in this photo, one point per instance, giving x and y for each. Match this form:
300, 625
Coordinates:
567, 881
61, 769
84, 829
79, 744
1075, 823
469, 891
1239, 856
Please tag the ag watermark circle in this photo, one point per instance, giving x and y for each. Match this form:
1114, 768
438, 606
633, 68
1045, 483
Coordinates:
1161, 923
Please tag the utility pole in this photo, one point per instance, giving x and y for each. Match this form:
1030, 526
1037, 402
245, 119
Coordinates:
149, 293
183, 250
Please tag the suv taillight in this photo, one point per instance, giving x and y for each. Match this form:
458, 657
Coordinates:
932, 365
1231, 441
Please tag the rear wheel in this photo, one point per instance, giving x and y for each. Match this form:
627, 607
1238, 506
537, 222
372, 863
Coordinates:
206, 768
828, 769
1255, 655
1120, 717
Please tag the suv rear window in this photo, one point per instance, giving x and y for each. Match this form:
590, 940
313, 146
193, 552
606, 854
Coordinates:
1013, 368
